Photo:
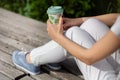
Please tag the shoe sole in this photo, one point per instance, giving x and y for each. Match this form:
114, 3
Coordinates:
53, 68
25, 69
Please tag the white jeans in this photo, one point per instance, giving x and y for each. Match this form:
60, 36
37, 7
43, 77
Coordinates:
85, 35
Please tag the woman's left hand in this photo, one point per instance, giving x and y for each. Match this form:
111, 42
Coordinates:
54, 31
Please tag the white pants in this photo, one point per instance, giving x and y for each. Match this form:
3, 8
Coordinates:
85, 35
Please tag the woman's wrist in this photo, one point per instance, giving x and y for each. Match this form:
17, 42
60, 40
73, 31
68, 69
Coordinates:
84, 19
59, 38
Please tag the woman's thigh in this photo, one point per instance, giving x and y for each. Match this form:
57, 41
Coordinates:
97, 30
101, 70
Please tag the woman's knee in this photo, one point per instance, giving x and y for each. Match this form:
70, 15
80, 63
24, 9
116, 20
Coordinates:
69, 33
91, 22
77, 34
95, 28
94, 24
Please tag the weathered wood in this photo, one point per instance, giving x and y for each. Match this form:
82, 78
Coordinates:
15, 43
7, 48
26, 78
4, 77
6, 58
23, 23
61, 74
21, 35
43, 76
8, 70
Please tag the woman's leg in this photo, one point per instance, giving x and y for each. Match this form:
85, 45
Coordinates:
91, 31
98, 33
51, 52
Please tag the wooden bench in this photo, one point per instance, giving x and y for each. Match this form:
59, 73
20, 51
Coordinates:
19, 32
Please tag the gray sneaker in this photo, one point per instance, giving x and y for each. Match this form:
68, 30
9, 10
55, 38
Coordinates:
19, 59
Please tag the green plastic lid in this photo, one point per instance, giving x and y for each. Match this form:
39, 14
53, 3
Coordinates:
55, 10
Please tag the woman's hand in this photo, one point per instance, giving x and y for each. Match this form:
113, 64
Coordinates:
69, 22
54, 31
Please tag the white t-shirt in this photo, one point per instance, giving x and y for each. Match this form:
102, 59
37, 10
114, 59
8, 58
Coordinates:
116, 27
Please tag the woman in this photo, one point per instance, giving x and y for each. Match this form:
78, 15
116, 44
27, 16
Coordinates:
94, 45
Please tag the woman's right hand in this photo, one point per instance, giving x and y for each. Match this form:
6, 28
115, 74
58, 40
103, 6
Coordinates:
69, 22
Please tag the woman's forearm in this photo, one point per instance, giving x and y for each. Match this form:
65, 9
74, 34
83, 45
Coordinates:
73, 48
108, 19
100, 50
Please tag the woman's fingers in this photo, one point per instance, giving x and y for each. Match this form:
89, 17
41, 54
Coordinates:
60, 21
60, 25
48, 25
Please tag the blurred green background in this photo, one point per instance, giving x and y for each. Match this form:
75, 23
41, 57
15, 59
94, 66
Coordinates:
36, 9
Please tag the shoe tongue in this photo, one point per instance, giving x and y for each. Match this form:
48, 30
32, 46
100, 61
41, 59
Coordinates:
23, 52
24, 56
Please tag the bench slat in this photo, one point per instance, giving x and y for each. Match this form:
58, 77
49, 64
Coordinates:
4, 77
9, 70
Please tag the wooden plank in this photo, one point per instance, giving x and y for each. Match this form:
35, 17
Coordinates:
4, 77
6, 58
8, 70
26, 78
31, 28
24, 36
25, 23
61, 74
7, 48
19, 45
43, 76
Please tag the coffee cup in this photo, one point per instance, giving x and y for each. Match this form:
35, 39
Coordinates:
54, 13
